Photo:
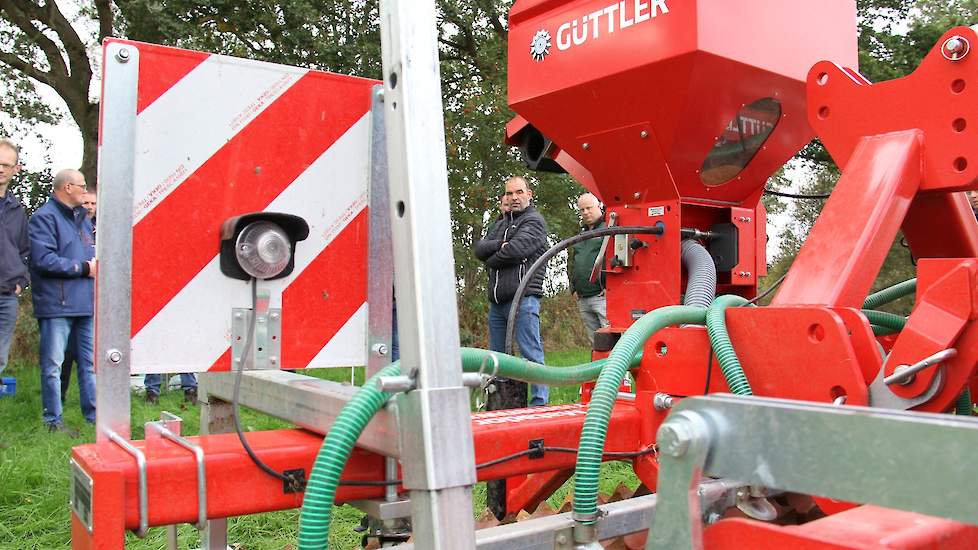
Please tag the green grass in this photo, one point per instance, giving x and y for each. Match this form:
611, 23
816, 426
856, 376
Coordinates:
34, 511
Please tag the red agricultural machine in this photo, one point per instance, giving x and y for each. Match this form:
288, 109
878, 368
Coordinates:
814, 422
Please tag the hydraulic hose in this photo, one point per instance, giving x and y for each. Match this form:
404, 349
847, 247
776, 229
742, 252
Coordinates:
603, 399
701, 274
716, 327
657, 229
889, 323
890, 294
317, 505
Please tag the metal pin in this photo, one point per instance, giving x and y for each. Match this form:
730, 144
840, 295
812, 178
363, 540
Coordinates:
122, 55
905, 374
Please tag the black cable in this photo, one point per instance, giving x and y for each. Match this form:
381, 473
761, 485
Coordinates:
793, 195
293, 482
497, 461
709, 372
657, 229
768, 290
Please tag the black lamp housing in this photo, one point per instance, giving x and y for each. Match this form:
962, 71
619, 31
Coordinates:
295, 227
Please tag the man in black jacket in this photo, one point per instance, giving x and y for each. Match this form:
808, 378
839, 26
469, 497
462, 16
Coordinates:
509, 249
14, 248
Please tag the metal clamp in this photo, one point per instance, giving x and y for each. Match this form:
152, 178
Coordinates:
141, 471
495, 365
905, 374
482, 399
163, 428
599, 259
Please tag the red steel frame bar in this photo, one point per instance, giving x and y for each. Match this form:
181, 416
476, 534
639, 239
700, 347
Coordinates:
236, 487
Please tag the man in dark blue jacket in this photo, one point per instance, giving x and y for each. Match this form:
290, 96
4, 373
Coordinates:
13, 248
62, 269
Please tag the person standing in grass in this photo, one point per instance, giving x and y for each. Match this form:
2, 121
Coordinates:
14, 248
63, 268
88, 203
508, 250
589, 295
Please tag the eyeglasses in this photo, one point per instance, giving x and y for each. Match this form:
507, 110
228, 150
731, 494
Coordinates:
8, 166
83, 187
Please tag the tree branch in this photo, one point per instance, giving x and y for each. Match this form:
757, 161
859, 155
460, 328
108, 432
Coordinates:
494, 18
106, 19
28, 69
74, 47
17, 16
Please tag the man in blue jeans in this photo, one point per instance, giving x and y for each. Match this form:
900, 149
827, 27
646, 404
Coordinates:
14, 248
63, 269
508, 250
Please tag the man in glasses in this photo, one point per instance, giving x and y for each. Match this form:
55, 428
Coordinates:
63, 269
14, 247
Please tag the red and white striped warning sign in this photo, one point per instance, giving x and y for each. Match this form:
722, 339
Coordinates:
218, 137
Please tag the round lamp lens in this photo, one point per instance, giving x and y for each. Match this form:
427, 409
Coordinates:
263, 249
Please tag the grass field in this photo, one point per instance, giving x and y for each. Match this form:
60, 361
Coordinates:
34, 511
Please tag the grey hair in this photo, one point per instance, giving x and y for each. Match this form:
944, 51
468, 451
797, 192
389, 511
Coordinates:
4, 142
64, 177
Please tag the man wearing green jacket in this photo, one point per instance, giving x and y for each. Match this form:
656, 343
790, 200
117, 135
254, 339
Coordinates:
589, 295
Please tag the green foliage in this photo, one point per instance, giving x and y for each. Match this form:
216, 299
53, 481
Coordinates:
894, 36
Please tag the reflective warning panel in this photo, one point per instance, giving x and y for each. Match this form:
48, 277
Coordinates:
218, 137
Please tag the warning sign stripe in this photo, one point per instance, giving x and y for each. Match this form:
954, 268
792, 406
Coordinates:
178, 148
330, 220
259, 162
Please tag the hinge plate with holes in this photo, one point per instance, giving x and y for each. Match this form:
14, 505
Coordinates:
80, 495
266, 351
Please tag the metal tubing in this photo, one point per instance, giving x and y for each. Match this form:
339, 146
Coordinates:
113, 307
434, 427
141, 469
905, 373
308, 402
380, 255
198, 453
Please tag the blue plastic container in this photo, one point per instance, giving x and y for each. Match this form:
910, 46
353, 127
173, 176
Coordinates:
8, 387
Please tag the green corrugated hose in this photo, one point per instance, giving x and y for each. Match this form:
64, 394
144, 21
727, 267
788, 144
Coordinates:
890, 294
603, 400
716, 326
888, 323
324, 479
963, 406
317, 504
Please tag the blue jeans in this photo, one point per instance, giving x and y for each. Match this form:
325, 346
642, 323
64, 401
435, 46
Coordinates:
188, 381
55, 333
8, 319
527, 337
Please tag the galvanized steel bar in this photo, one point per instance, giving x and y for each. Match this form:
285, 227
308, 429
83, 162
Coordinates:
307, 402
113, 306
435, 429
